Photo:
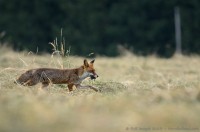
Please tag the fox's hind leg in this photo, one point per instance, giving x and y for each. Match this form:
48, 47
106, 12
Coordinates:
26, 82
45, 85
30, 82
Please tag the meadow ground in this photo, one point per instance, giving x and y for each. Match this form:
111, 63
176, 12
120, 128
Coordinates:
137, 94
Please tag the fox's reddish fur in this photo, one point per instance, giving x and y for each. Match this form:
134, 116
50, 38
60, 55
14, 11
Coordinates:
46, 76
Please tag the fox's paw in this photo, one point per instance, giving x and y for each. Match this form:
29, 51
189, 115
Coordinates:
95, 89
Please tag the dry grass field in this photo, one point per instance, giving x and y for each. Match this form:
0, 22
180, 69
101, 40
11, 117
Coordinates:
138, 94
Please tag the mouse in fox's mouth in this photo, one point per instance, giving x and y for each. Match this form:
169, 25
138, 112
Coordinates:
92, 77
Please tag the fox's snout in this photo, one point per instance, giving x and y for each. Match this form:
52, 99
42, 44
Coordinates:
92, 77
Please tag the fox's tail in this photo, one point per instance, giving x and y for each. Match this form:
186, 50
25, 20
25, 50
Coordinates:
24, 78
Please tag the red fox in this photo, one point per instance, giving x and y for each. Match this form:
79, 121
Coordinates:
71, 77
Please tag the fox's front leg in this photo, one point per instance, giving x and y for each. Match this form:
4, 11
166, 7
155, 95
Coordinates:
87, 86
70, 87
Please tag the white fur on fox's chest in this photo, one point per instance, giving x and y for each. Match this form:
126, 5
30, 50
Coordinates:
83, 76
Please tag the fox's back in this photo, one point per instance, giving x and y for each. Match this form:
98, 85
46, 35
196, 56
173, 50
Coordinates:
49, 75
53, 75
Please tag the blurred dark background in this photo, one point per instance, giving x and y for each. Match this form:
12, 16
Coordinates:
143, 26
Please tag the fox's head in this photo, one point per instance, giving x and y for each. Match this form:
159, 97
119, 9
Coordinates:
89, 69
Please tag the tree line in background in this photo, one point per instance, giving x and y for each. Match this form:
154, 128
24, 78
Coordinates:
143, 26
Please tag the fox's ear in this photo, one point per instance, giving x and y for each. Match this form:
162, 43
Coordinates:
86, 63
92, 61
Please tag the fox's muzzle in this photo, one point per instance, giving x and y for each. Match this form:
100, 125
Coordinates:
93, 77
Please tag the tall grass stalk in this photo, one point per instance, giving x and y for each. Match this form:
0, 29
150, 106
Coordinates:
60, 51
